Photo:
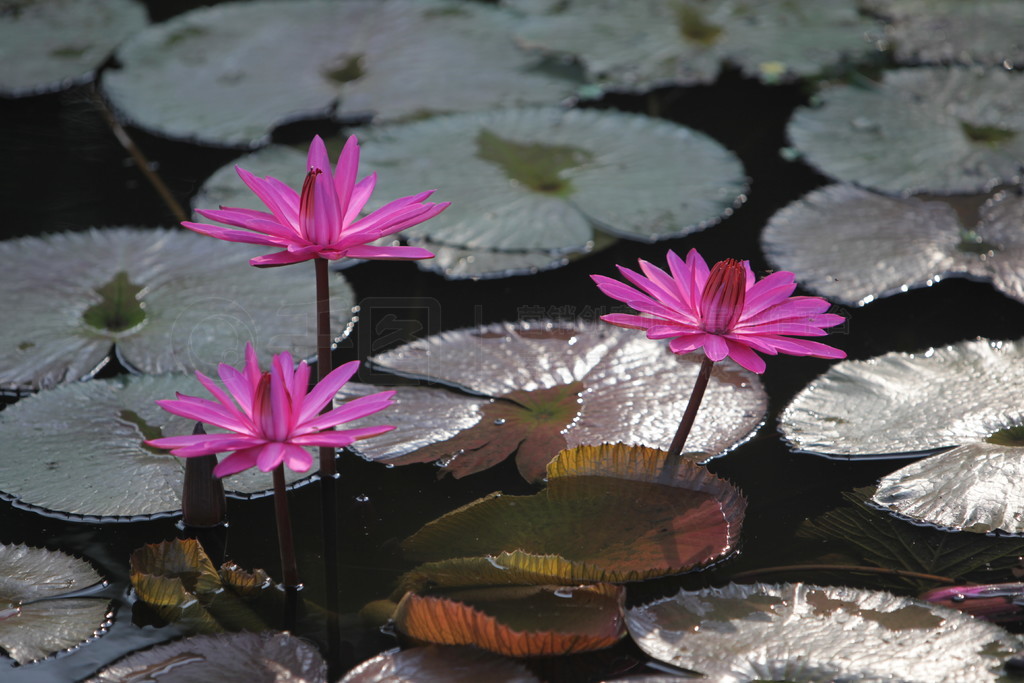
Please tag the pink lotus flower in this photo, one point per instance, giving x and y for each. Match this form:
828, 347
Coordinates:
271, 416
321, 221
724, 310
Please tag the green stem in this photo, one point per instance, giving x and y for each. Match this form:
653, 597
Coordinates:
690, 414
289, 568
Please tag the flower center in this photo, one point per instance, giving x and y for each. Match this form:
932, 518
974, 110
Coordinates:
307, 202
263, 410
723, 297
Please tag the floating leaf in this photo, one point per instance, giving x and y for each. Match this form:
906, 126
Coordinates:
439, 664
939, 130
204, 74
525, 375
543, 179
855, 246
268, 657
800, 632
608, 513
35, 621
652, 43
177, 580
518, 621
50, 45
166, 300
985, 32
76, 451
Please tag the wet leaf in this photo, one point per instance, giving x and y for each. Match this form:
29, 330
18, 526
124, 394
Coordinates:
798, 632
517, 621
203, 75
164, 300
35, 621
439, 664
527, 374
268, 657
939, 130
50, 45
608, 513
685, 43
76, 451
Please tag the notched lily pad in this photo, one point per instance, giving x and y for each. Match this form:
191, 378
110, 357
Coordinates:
514, 389
799, 632
939, 130
269, 657
35, 621
166, 300
76, 452
609, 513
517, 621
203, 75
49, 45
439, 664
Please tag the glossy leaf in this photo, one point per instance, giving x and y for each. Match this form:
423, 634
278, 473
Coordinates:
439, 664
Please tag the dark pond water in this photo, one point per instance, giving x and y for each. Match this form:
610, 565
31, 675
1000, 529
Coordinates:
62, 169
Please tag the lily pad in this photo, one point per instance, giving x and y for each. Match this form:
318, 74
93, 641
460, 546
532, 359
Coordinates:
517, 621
546, 178
799, 632
49, 45
35, 621
76, 451
204, 75
939, 130
984, 32
609, 513
439, 664
534, 388
646, 44
268, 657
875, 246
165, 300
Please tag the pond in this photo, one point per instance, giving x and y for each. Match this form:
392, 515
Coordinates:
66, 170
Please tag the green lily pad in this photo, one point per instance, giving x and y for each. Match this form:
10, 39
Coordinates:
517, 621
534, 388
50, 45
204, 75
940, 130
268, 657
76, 452
608, 513
164, 300
799, 632
439, 664
645, 44
35, 621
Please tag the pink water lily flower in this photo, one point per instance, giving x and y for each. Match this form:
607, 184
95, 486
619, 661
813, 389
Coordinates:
725, 310
321, 221
270, 416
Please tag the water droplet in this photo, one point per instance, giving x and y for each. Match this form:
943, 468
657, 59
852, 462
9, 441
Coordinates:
500, 421
494, 563
959, 597
563, 593
362, 498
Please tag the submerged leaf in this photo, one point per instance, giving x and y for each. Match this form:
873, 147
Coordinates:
518, 621
939, 130
35, 622
439, 664
518, 375
800, 632
166, 300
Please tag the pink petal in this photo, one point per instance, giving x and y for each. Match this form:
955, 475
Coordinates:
326, 389
297, 458
360, 195
237, 462
232, 235
273, 193
690, 342
683, 279
342, 437
345, 176
353, 410
270, 456
316, 157
283, 258
389, 253
773, 289
201, 444
802, 347
745, 356
207, 412
258, 221
715, 347
635, 322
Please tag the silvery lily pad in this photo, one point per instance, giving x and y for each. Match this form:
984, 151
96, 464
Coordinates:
268, 657
166, 300
644, 44
76, 451
227, 75
35, 621
535, 388
939, 130
544, 179
439, 664
949, 31
49, 45
798, 632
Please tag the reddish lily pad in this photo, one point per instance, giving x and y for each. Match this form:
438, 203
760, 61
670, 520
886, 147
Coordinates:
609, 513
518, 621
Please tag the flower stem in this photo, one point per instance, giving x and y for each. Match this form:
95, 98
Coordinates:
324, 364
289, 568
690, 414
